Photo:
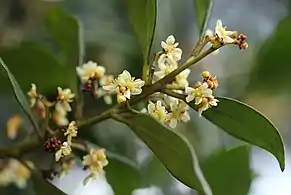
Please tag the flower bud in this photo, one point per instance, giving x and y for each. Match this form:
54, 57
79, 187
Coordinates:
197, 84
121, 98
206, 74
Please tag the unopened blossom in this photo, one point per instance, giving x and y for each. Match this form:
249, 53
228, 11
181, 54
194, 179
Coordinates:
178, 113
157, 111
198, 93
65, 97
65, 150
72, 131
96, 160
222, 33
14, 172
171, 50
125, 86
90, 70
33, 95
206, 103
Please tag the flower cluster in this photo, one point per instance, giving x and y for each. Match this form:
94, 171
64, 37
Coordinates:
66, 149
12, 171
125, 86
202, 93
169, 110
221, 36
95, 161
61, 104
94, 78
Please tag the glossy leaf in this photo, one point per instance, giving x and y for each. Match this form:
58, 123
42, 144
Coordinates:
43, 187
142, 15
272, 64
37, 62
173, 151
228, 172
247, 124
66, 30
203, 10
19, 95
122, 174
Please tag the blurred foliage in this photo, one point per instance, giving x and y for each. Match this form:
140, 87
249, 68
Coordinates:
272, 65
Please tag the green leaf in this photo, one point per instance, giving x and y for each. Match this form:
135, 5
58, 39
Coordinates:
43, 187
203, 10
272, 65
31, 63
247, 124
20, 97
228, 172
173, 151
122, 174
66, 30
142, 15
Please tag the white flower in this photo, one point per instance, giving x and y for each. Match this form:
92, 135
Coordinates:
206, 103
14, 172
198, 93
166, 68
72, 131
90, 70
65, 150
33, 95
178, 113
95, 161
65, 97
181, 80
125, 86
171, 50
60, 118
157, 111
106, 80
222, 33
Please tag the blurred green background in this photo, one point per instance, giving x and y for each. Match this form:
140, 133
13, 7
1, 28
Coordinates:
259, 76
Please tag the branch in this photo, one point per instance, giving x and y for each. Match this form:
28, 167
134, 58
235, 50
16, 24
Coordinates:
153, 68
174, 94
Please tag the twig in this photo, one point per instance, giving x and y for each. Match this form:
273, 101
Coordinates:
174, 94
153, 67
172, 87
133, 110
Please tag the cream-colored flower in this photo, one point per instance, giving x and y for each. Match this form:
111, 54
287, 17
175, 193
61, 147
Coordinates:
33, 95
90, 70
181, 80
166, 68
106, 80
222, 33
66, 167
72, 131
65, 150
206, 103
178, 113
96, 160
157, 111
60, 118
125, 86
65, 97
171, 50
198, 93
14, 172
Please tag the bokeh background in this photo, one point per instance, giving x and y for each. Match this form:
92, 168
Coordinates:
259, 76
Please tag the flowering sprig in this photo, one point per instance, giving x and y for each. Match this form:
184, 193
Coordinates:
167, 81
